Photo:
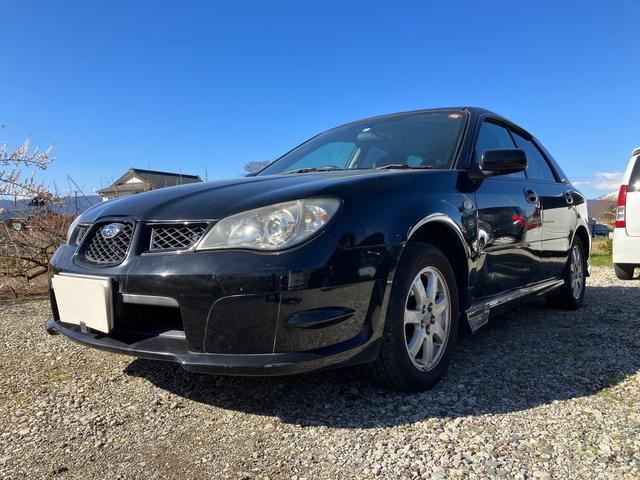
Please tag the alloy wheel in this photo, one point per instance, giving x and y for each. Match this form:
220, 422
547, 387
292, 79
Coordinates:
576, 272
427, 318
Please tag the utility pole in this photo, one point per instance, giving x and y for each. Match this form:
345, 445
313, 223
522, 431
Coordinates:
76, 201
79, 189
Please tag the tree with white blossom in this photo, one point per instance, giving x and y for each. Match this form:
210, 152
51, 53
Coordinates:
18, 167
25, 251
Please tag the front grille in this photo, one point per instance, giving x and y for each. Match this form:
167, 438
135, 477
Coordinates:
109, 251
175, 237
82, 231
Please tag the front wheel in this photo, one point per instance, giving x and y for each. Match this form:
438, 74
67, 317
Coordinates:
571, 294
422, 321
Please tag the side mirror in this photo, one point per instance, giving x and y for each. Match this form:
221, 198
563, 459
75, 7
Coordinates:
500, 162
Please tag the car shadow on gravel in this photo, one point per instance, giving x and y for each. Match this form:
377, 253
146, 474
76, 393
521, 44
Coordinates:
531, 356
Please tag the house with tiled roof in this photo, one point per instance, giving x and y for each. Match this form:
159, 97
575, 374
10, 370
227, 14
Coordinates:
137, 180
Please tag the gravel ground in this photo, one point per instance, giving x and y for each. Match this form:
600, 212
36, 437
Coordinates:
537, 394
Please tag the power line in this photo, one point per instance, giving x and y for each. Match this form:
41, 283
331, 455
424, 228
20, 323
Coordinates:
79, 189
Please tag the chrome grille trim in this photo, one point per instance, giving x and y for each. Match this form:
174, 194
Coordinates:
175, 237
82, 231
108, 251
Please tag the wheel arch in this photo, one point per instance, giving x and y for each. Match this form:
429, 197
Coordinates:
583, 234
442, 232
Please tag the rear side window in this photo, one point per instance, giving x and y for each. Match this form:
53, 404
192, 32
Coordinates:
634, 181
538, 168
494, 137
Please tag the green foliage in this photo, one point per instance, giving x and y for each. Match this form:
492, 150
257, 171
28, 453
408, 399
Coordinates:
602, 246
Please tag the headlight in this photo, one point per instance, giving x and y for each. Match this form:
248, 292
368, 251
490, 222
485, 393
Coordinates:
72, 227
275, 227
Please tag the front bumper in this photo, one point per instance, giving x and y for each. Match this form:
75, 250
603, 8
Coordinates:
240, 312
175, 350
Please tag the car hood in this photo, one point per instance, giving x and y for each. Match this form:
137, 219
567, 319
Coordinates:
216, 200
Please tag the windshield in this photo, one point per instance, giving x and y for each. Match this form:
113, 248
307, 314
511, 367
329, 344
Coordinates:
415, 140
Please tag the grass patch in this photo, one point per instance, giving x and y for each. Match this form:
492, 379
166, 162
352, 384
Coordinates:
589, 451
601, 260
601, 252
602, 246
58, 374
21, 397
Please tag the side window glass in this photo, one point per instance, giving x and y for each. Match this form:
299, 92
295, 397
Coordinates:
634, 181
538, 168
494, 137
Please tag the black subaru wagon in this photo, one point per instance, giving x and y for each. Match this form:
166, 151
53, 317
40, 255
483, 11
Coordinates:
376, 243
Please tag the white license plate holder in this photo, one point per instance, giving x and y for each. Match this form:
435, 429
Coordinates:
84, 300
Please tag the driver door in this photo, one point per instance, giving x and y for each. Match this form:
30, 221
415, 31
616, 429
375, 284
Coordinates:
508, 223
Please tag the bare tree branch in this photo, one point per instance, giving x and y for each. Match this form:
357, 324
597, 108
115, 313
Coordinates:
255, 167
26, 252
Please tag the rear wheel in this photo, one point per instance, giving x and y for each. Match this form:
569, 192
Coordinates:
422, 321
571, 295
624, 271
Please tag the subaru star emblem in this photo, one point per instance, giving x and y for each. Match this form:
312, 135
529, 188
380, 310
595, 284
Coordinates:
110, 231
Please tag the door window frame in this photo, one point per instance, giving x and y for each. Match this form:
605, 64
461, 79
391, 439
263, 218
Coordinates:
512, 127
507, 126
531, 139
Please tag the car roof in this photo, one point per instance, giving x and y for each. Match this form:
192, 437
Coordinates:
473, 111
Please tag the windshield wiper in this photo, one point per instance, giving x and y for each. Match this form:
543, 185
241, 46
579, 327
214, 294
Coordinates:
403, 166
313, 169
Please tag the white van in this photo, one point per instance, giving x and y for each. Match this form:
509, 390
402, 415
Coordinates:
626, 236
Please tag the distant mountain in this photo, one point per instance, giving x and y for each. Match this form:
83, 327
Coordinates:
21, 208
599, 207
613, 196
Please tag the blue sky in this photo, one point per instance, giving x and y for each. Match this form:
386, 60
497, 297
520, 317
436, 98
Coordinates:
188, 85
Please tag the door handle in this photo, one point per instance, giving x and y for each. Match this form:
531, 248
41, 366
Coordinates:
568, 197
531, 196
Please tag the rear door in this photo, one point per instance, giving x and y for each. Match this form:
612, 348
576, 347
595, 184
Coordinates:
508, 223
633, 200
557, 202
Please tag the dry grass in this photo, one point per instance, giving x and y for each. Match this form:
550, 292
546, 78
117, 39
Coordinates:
602, 246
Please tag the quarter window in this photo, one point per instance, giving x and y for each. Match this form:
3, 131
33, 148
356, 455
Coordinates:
634, 181
537, 166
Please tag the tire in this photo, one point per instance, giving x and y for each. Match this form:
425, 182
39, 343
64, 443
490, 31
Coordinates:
431, 321
571, 295
624, 271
